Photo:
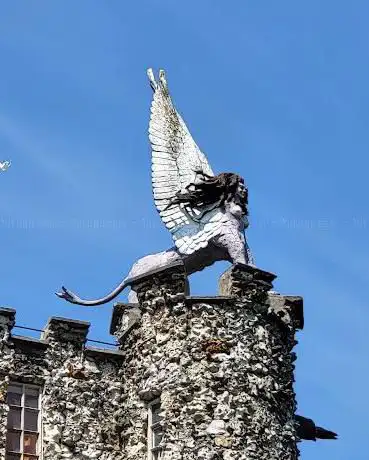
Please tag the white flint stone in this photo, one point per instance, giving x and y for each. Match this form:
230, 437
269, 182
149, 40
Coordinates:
217, 427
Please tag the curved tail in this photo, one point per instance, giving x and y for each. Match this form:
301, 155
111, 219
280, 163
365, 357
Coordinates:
73, 298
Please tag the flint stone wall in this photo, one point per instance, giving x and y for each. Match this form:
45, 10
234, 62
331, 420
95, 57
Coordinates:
222, 366
82, 386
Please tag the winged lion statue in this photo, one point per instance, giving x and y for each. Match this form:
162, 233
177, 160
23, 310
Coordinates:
205, 213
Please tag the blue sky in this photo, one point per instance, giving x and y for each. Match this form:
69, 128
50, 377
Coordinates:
275, 91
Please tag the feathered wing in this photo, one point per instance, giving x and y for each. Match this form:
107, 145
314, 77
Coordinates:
176, 163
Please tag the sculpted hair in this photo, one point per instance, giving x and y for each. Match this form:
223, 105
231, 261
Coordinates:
213, 191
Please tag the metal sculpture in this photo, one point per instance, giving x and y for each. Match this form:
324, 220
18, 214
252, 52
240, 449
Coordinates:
205, 213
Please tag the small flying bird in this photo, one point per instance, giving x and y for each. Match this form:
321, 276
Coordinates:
4, 165
306, 429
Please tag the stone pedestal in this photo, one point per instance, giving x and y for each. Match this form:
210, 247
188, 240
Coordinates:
222, 367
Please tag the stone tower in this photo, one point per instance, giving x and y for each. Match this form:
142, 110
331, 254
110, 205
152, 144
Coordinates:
220, 368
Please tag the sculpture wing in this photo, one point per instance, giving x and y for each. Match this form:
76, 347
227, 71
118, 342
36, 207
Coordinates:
176, 163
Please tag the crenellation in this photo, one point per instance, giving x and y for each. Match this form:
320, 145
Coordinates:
165, 286
245, 281
66, 330
7, 322
288, 308
125, 317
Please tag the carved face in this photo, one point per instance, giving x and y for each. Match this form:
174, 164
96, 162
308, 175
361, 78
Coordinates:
241, 195
238, 205
242, 192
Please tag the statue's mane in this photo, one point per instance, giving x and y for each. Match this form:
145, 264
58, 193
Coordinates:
213, 192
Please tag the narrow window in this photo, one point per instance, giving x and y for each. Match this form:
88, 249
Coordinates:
155, 432
23, 427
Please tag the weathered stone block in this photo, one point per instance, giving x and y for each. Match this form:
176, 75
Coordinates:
241, 279
125, 317
7, 322
66, 330
165, 286
288, 308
